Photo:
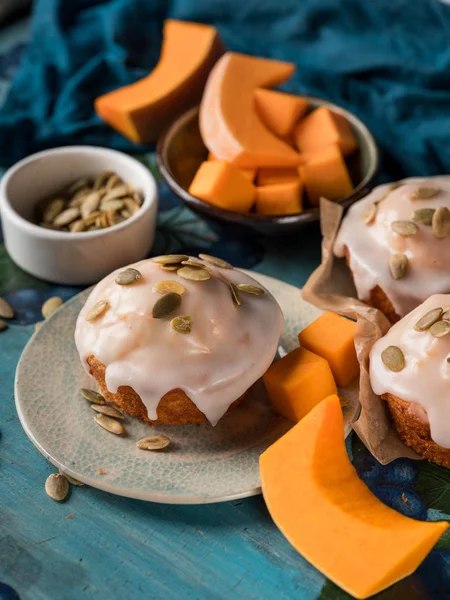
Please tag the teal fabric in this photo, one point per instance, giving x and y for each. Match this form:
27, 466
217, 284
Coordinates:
388, 61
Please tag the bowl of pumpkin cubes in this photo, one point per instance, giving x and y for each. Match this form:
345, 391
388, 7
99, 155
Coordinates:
264, 170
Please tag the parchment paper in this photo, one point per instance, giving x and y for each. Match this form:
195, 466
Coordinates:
331, 287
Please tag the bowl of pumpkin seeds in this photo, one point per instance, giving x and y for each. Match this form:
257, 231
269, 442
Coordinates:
72, 215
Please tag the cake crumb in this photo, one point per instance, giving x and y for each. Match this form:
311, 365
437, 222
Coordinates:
101, 472
70, 516
404, 498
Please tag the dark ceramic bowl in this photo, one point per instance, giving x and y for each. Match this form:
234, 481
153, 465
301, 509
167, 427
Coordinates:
180, 151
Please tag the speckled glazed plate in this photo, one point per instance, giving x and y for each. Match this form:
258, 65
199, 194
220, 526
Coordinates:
203, 463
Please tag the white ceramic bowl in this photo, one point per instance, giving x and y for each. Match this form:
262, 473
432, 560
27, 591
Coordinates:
73, 258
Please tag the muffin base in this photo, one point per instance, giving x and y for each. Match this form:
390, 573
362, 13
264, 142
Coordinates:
415, 432
174, 408
377, 298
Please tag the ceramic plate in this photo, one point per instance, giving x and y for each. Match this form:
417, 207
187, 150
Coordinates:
203, 463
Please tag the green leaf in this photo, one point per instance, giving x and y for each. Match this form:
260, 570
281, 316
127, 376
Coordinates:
433, 485
13, 278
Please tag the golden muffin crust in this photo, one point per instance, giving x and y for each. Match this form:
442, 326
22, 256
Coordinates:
174, 408
378, 298
415, 432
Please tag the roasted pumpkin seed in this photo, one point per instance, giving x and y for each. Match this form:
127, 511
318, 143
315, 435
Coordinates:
404, 228
155, 442
92, 396
440, 329
191, 262
109, 411
446, 315
90, 204
428, 319
128, 276
398, 265
77, 226
423, 215
38, 325
50, 305
393, 358
441, 222
113, 181
66, 217
194, 273
217, 262
57, 487
250, 289
110, 424
6, 312
174, 267
70, 479
181, 324
425, 192
170, 259
119, 191
166, 305
131, 205
102, 179
97, 310
78, 185
3, 325
52, 210
369, 214
168, 285
235, 294
111, 205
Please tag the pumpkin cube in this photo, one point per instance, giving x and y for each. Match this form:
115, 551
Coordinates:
271, 175
279, 111
332, 337
223, 185
326, 174
298, 382
323, 127
279, 198
249, 173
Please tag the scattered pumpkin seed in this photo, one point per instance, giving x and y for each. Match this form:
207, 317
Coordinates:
425, 192
191, 262
3, 325
110, 424
428, 319
57, 487
423, 215
155, 442
369, 214
181, 324
194, 273
6, 312
107, 410
174, 267
441, 222
92, 396
250, 289
166, 305
404, 228
168, 285
170, 259
97, 310
217, 262
66, 217
393, 358
38, 325
77, 226
446, 315
50, 305
128, 276
52, 210
398, 265
235, 294
70, 479
440, 329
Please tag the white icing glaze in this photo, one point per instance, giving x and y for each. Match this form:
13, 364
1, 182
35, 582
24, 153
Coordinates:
425, 380
370, 246
228, 349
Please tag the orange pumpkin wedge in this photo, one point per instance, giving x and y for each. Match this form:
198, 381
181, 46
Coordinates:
229, 124
329, 515
141, 111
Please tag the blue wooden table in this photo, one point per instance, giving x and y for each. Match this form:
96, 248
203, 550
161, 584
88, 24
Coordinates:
105, 547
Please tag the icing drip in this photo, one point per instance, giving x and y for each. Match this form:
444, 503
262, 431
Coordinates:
425, 380
229, 348
370, 246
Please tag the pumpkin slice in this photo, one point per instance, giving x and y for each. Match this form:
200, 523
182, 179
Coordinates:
230, 126
141, 111
329, 515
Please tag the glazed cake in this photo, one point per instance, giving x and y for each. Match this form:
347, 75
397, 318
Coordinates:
177, 340
397, 244
410, 369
